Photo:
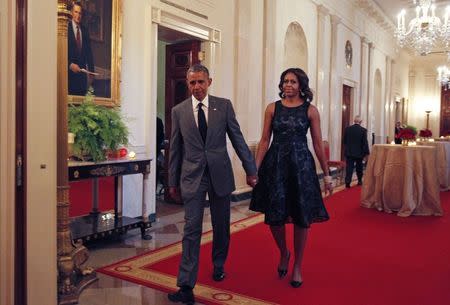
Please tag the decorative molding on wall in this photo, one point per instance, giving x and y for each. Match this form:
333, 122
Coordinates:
185, 25
374, 11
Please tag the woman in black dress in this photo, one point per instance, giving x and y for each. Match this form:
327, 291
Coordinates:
288, 189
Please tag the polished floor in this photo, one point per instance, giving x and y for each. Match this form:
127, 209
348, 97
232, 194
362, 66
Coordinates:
167, 229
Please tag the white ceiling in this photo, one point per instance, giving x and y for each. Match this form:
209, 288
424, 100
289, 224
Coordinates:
393, 7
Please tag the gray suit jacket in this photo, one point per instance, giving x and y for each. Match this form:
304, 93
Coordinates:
189, 155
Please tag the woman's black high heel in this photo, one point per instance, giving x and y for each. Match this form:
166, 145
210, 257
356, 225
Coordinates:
282, 272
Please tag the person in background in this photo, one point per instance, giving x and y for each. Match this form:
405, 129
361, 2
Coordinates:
398, 127
159, 154
356, 149
199, 164
288, 189
79, 54
159, 136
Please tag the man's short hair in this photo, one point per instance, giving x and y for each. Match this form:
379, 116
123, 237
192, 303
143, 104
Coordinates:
357, 119
76, 3
197, 68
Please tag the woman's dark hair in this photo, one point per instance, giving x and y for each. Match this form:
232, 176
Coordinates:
303, 81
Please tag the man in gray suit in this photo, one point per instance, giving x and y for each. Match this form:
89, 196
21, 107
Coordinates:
198, 165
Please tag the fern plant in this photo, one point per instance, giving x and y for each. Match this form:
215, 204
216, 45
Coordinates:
97, 129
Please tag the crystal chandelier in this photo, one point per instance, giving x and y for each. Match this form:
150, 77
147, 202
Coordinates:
443, 76
425, 31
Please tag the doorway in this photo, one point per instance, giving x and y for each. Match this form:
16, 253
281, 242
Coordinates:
347, 97
444, 126
177, 51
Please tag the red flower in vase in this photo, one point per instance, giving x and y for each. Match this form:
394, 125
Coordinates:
407, 134
425, 133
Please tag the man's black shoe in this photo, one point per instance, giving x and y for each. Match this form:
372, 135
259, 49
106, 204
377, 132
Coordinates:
218, 274
184, 295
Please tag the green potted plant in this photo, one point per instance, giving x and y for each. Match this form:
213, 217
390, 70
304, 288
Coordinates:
97, 129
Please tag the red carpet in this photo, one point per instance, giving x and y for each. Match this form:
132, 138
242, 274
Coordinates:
359, 257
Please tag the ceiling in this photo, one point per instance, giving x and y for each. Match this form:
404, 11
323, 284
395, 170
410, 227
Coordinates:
393, 7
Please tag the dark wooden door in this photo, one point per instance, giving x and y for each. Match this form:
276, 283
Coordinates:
445, 112
346, 111
179, 57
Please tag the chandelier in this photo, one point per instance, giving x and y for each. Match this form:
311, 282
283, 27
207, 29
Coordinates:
443, 76
424, 32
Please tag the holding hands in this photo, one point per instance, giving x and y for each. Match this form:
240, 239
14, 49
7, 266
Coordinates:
328, 183
252, 180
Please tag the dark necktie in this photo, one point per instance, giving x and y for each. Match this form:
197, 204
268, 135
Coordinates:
202, 126
78, 39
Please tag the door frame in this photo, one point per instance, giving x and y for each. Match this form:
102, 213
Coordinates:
209, 38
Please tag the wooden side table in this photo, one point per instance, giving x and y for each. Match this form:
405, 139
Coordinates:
96, 224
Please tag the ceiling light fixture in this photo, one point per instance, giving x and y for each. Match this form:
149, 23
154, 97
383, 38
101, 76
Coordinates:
425, 31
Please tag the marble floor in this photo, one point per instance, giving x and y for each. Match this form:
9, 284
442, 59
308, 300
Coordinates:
167, 229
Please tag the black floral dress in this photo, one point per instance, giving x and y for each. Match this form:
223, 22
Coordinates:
288, 189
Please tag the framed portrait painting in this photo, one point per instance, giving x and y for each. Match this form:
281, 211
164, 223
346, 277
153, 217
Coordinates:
94, 50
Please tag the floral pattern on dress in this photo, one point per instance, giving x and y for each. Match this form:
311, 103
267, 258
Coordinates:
288, 189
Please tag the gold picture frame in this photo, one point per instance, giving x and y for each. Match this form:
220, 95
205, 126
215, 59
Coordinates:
105, 47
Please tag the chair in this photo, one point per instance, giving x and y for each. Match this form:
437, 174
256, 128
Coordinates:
339, 165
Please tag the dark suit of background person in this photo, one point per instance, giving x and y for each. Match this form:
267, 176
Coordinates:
159, 147
198, 166
398, 127
78, 81
356, 148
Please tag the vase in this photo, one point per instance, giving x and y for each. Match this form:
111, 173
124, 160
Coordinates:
70, 142
405, 142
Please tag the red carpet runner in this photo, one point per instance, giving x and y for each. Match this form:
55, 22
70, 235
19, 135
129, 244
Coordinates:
359, 257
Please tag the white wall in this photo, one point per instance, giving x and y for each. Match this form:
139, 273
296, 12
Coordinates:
304, 12
7, 150
136, 98
425, 92
41, 152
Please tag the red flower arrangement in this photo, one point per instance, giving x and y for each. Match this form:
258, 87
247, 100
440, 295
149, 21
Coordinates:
407, 134
425, 133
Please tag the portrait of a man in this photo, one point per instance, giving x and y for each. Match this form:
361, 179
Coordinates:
90, 48
80, 58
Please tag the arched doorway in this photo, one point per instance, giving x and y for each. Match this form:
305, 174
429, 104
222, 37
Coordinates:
295, 47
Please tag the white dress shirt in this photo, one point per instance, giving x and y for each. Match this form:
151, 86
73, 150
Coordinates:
205, 107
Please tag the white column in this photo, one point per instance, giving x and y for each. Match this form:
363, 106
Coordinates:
370, 86
335, 89
388, 98
248, 70
322, 98
364, 80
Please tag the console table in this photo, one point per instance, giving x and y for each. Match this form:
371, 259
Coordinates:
96, 224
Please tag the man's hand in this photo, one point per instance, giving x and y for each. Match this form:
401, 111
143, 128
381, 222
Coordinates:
74, 68
174, 193
252, 180
90, 79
